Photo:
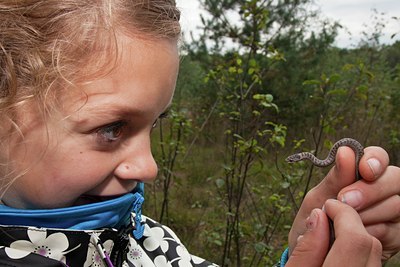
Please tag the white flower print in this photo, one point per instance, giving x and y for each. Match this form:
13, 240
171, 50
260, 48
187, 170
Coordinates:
52, 246
198, 260
136, 256
173, 235
155, 238
161, 261
16, 253
184, 256
93, 257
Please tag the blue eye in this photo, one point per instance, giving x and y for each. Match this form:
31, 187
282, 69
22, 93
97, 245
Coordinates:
111, 132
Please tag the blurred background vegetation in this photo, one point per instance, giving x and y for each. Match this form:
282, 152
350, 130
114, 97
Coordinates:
263, 81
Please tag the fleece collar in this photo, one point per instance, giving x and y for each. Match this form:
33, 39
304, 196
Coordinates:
113, 213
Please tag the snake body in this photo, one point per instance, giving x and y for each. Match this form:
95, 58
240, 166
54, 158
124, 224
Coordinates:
353, 144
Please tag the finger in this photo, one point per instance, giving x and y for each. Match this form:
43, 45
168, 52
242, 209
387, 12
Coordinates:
363, 194
313, 246
341, 175
387, 210
375, 259
387, 234
373, 163
353, 246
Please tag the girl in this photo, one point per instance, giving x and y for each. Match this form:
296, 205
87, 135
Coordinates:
82, 85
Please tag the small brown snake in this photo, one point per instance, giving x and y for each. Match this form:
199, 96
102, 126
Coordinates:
353, 144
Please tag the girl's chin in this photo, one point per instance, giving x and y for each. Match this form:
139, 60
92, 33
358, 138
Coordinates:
89, 199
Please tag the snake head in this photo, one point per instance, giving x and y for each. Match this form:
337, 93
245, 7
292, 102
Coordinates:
293, 158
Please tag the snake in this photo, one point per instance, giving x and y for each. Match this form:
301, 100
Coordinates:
350, 142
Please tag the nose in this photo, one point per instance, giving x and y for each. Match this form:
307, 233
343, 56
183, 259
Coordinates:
138, 164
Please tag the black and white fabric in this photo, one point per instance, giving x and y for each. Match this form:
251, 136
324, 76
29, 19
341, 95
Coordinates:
45, 247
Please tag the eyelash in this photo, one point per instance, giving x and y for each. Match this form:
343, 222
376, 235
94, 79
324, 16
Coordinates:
112, 132
163, 115
115, 129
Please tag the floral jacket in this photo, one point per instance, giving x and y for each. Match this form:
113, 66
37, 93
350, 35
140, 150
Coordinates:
31, 246
142, 242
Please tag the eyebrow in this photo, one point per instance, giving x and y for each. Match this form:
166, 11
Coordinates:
109, 111
103, 112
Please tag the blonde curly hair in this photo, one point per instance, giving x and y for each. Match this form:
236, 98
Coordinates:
43, 42
48, 44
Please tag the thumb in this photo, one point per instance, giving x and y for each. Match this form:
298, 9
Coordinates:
312, 247
340, 176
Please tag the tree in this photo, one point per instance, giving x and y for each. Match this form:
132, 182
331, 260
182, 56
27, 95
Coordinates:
245, 46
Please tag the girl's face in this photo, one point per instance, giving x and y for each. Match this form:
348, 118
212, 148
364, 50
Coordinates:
98, 145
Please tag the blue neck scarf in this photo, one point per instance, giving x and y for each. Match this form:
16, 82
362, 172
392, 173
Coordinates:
114, 213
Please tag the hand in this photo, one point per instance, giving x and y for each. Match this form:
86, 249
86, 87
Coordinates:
375, 197
353, 245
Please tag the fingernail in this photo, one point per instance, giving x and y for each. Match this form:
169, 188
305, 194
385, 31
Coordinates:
352, 198
375, 166
323, 207
311, 222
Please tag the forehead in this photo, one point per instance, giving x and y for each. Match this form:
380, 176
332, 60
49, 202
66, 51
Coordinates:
144, 75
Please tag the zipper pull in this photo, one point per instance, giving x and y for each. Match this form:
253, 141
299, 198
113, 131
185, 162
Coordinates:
136, 217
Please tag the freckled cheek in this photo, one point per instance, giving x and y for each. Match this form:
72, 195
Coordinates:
91, 169
59, 178
84, 171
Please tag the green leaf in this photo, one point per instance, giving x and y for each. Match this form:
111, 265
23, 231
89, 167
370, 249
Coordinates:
253, 63
220, 183
260, 247
232, 70
363, 89
312, 82
334, 78
337, 92
285, 185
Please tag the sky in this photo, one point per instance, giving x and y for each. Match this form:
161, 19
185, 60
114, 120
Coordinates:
354, 15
